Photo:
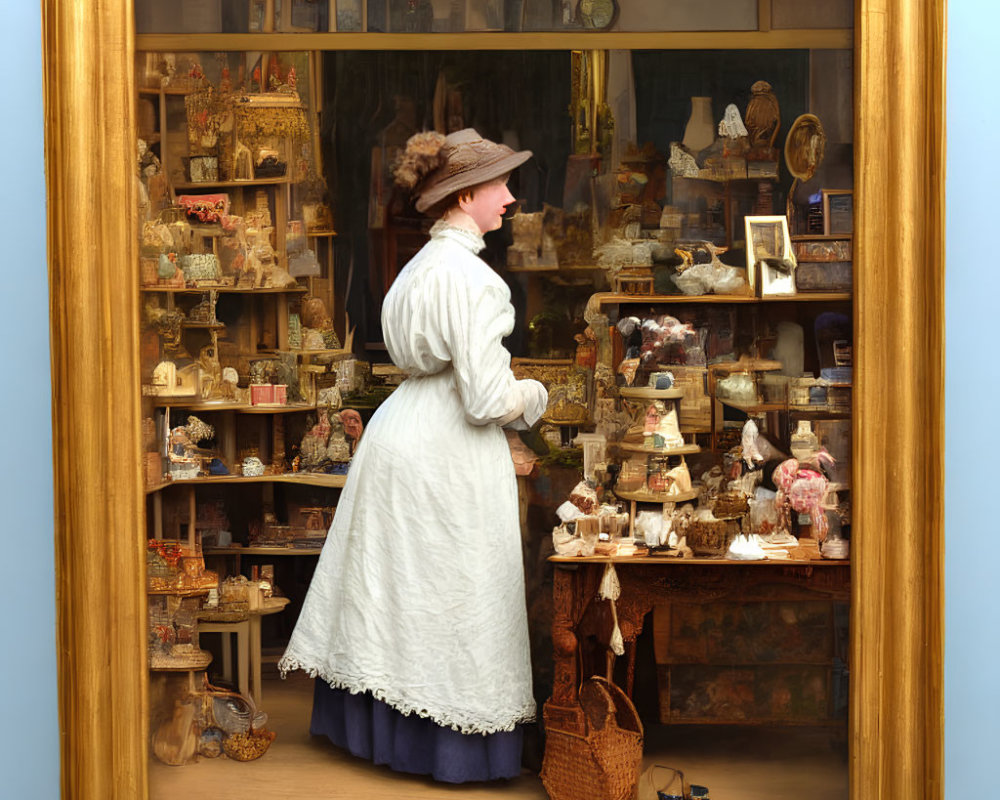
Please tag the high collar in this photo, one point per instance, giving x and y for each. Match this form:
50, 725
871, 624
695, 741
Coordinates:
468, 239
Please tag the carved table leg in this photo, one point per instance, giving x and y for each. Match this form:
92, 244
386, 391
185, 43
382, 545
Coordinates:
630, 648
564, 642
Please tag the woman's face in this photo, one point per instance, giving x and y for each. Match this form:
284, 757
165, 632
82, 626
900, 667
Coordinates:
487, 204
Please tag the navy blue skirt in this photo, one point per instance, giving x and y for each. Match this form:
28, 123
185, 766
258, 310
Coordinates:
370, 729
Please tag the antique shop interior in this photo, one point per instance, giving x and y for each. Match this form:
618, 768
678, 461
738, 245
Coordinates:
679, 258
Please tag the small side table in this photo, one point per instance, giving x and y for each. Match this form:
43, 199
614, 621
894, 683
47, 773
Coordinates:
272, 605
247, 630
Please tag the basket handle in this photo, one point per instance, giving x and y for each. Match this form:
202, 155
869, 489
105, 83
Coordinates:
623, 708
217, 691
652, 769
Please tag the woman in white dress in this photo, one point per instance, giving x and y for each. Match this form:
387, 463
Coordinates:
415, 622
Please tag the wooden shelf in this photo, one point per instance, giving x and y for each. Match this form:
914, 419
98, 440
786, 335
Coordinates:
224, 290
301, 478
263, 551
243, 408
320, 234
609, 298
657, 497
818, 413
216, 326
176, 592
649, 393
754, 408
209, 185
778, 39
194, 663
684, 450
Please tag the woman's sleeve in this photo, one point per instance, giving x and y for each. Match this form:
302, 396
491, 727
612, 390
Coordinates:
477, 318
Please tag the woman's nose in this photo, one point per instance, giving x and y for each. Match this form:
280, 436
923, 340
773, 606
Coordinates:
508, 197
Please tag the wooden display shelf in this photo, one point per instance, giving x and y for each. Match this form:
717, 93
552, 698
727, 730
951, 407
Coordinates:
243, 408
754, 408
684, 450
212, 326
657, 497
610, 298
192, 664
818, 413
189, 185
649, 393
301, 478
263, 551
225, 289
320, 234
176, 592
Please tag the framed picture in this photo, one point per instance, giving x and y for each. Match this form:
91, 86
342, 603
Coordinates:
838, 211
770, 255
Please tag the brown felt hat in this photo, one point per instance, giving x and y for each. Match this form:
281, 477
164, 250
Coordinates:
468, 160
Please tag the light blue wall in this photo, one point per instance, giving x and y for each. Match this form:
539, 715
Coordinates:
972, 397
29, 735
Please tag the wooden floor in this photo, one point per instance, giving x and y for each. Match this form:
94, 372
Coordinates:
734, 763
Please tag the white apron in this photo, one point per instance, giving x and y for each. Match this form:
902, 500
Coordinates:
418, 596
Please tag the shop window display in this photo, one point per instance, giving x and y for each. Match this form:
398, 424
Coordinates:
631, 272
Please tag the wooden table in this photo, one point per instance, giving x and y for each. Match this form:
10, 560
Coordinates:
248, 644
578, 612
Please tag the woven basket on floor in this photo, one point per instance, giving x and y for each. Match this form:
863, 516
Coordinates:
599, 760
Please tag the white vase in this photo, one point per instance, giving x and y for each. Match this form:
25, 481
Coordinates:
700, 130
804, 443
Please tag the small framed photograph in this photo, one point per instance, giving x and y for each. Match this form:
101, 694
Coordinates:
770, 255
838, 212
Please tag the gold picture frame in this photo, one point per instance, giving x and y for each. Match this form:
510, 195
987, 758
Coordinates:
896, 652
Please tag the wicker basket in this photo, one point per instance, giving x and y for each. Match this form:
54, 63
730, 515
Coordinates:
598, 757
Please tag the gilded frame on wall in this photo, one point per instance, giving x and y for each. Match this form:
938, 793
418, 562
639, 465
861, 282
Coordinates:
897, 596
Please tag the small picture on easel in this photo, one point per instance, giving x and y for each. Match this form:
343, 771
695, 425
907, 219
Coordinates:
769, 254
838, 212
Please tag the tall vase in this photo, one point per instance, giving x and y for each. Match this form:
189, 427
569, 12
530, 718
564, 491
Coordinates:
700, 130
